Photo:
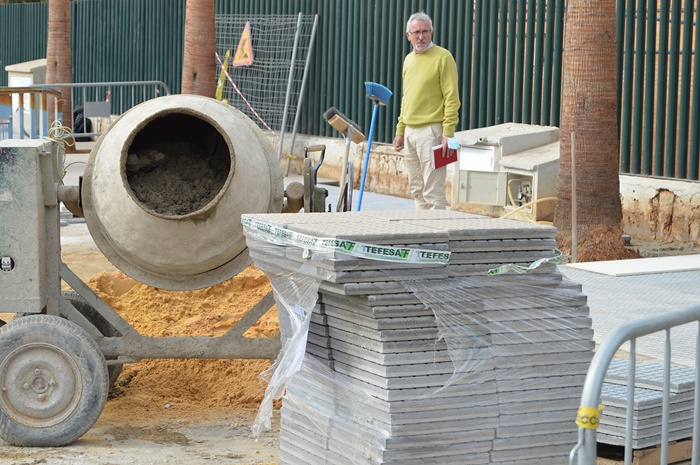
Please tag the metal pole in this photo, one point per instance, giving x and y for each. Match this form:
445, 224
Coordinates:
289, 89
301, 93
574, 219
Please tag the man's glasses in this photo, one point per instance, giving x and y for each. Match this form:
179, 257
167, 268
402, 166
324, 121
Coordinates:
424, 32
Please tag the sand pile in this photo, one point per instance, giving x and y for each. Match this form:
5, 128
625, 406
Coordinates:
150, 386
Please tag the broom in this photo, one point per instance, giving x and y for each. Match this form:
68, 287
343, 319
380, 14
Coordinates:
379, 95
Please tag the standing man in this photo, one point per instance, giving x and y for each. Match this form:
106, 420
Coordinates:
429, 112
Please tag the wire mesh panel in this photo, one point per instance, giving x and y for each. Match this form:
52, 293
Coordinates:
275, 46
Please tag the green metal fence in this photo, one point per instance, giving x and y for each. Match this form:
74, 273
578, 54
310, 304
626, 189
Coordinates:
508, 52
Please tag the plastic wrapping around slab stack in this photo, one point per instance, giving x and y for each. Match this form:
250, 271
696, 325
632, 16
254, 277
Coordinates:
647, 407
399, 346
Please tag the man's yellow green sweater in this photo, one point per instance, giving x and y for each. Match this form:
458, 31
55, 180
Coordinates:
430, 91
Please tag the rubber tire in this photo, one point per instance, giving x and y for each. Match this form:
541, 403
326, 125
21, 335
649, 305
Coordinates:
100, 322
32, 349
97, 320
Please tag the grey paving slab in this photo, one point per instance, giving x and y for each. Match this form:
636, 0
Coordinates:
552, 335
544, 359
540, 383
616, 395
535, 421
552, 405
506, 459
546, 442
361, 306
320, 341
485, 245
649, 412
500, 257
479, 270
372, 231
392, 359
522, 454
375, 435
389, 335
486, 228
561, 322
392, 395
681, 418
619, 440
382, 324
518, 313
542, 394
652, 433
422, 215
650, 375
307, 391
545, 348
322, 353
436, 380
393, 371
536, 371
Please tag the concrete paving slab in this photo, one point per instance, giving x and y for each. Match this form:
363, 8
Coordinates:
436, 380
616, 395
650, 375
521, 455
639, 266
497, 245
393, 371
392, 359
619, 440
308, 390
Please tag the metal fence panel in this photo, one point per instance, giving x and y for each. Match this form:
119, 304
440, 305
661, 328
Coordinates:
508, 54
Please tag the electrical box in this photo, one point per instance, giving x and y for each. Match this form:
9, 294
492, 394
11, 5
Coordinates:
507, 167
23, 262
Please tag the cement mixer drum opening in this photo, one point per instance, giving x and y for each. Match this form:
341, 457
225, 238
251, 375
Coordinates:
177, 165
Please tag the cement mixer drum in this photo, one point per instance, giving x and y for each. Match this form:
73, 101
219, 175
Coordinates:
166, 185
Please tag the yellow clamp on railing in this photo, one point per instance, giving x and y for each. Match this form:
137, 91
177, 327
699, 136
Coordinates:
588, 417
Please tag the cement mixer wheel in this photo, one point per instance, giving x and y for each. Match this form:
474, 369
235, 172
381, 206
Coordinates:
53, 381
98, 321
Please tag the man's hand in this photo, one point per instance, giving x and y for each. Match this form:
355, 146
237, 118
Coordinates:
398, 143
445, 153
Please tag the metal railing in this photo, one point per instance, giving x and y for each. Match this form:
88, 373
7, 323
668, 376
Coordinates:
100, 102
32, 111
590, 399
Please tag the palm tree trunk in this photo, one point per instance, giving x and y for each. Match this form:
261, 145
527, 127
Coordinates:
589, 110
58, 57
198, 70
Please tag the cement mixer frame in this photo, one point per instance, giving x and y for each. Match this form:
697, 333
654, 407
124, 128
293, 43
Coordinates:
57, 361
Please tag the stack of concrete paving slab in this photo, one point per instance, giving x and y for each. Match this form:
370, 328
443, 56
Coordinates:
431, 363
648, 400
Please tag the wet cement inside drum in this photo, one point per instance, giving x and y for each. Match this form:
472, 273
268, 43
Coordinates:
177, 177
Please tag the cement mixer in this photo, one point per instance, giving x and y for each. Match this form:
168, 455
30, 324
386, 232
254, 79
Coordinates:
162, 195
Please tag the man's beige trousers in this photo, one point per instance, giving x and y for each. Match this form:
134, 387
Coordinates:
427, 185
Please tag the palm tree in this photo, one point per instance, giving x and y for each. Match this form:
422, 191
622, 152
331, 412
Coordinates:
589, 109
58, 56
198, 72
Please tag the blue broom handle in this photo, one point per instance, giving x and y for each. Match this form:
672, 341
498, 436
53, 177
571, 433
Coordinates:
366, 164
